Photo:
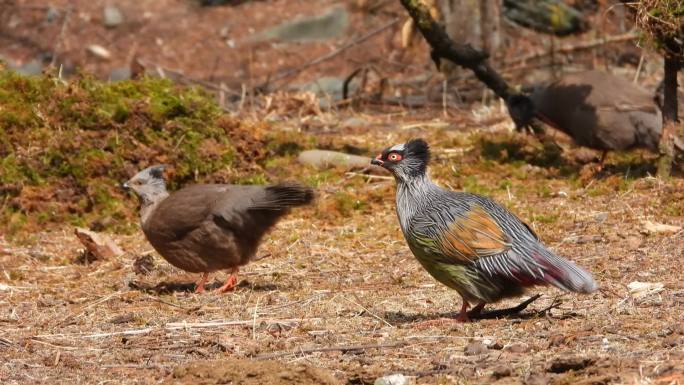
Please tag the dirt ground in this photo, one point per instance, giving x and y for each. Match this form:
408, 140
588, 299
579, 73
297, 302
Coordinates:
341, 291
339, 298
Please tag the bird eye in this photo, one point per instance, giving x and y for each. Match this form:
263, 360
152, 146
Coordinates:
394, 157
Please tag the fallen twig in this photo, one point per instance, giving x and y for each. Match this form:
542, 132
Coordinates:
177, 326
343, 348
573, 47
60, 36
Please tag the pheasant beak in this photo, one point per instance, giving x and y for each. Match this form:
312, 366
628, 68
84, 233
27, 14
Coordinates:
377, 161
125, 186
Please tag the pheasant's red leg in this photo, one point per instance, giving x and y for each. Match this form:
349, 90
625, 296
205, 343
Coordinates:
199, 285
463, 315
231, 282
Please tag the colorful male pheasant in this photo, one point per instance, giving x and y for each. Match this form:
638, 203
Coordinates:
469, 242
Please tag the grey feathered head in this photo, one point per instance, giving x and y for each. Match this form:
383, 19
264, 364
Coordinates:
148, 183
407, 160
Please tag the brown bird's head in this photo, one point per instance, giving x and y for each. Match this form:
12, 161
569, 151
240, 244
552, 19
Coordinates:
149, 183
405, 161
521, 109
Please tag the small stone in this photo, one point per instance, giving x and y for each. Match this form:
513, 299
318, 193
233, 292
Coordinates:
672, 340
32, 68
518, 348
634, 242
122, 319
354, 122
328, 25
475, 348
501, 372
392, 379
600, 217
644, 289
99, 51
119, 74
537, 379
51, 15
556, 340
659, 228
562, 365
495, 345
98, 245
112, 16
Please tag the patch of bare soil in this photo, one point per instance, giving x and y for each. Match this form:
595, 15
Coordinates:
248, 372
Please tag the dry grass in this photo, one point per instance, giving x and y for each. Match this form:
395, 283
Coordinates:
663, 21
342, 292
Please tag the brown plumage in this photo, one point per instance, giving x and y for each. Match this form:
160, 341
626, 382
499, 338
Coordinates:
597, 109
209, 227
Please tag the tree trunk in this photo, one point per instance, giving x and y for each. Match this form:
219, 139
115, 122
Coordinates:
666, 146
474, 22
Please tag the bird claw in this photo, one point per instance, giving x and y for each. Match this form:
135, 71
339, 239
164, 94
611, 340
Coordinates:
230, 285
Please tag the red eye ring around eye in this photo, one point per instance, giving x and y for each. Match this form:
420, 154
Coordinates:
394, 157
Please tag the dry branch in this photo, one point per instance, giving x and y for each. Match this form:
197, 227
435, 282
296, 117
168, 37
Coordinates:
178, 326
574, 47
462, 54
343, 348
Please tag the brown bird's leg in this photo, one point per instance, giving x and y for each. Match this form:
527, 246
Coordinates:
199, 285
231, 282
601, 160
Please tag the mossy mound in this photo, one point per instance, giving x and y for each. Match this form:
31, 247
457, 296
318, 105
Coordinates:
66, 147
663, 22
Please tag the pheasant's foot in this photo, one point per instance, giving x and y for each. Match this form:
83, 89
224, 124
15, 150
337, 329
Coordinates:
476, 311
199, 285
230, 284
508, 311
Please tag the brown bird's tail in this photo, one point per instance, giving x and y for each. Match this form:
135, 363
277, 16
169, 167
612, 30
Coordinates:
282, 196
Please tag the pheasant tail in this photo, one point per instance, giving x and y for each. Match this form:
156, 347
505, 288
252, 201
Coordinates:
282, 196
565, 274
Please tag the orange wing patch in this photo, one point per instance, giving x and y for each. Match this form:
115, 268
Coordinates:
473, 236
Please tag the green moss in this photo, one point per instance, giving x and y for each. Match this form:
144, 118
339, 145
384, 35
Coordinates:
545, 218
471, 185
80, 139
347, 203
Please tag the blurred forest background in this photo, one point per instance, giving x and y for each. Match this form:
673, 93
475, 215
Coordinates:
261, 62
259, 91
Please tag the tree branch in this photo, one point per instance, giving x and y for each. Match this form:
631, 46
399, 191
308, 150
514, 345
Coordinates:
519, 105
462, 54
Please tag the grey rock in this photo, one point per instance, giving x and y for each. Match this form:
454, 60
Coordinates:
119, 74
32, 68
326, 86
51, 15
112, 16
322, 159
354, 122
518, 348
392, 379
331, 24
475, 348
